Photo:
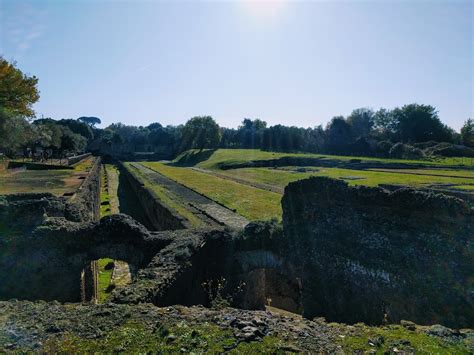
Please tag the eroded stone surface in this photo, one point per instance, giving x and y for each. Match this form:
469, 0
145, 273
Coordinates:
366, 254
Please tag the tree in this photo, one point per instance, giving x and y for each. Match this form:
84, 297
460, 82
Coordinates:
15, 132
419, 123
385, 124
154, 125
361, 121
78, 127
18, 91
91, 121
338, 135
467, 133
71, 141
201, 132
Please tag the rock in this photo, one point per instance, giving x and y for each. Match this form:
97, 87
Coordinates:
442, 331
408, 325
259, 322
250, 333
376, 341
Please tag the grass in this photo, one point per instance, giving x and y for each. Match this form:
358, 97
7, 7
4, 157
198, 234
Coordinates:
209, 159
138, 338
57, 182
104, 194
109, 203
385, 339
463, 187
167, 198
257, 204
281, 177
250, 202
104, 280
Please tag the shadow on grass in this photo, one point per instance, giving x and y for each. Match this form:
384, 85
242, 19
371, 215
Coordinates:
193, 157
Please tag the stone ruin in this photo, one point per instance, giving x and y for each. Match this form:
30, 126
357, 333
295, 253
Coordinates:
349, 254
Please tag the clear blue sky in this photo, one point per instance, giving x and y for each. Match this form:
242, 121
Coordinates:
291, 62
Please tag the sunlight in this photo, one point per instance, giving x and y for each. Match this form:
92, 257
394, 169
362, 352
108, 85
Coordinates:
264, 9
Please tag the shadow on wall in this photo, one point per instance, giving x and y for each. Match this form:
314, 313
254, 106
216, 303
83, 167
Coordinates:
129, 203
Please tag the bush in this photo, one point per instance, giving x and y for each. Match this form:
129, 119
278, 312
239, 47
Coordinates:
450, 150
405, 151
383, 148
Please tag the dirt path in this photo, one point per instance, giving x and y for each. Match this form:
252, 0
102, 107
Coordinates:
203, 204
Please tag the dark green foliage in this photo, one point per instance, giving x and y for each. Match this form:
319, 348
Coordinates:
467, 133
412, 123
201, 132
91, 121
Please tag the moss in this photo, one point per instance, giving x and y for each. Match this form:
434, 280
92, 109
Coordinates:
137, 337
384, 340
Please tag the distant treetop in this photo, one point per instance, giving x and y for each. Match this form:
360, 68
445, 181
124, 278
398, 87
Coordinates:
91, 121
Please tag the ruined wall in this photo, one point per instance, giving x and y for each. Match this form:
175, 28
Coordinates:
84, 205
77, 158
197, 262
33, 264
366, 254
48, 262
161, 217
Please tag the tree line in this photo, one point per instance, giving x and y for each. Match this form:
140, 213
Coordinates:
394, 132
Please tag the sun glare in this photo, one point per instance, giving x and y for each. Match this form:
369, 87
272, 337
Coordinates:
264, 9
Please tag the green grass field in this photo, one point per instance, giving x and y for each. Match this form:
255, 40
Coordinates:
250, 202
210, 159
281, 177
246, 190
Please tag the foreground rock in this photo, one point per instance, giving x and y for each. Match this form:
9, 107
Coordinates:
52, 327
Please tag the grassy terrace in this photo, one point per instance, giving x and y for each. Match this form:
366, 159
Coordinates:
434, 173
238, 189
57, 182
250, 202
210, 159
281, 177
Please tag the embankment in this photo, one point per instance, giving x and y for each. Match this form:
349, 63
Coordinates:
161, 216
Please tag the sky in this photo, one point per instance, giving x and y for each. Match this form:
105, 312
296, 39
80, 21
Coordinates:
287, 62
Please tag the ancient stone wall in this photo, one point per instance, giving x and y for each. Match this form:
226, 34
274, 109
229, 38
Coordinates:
34, 264
77, 158
367, 254
48, 262
84, 205
161, 217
